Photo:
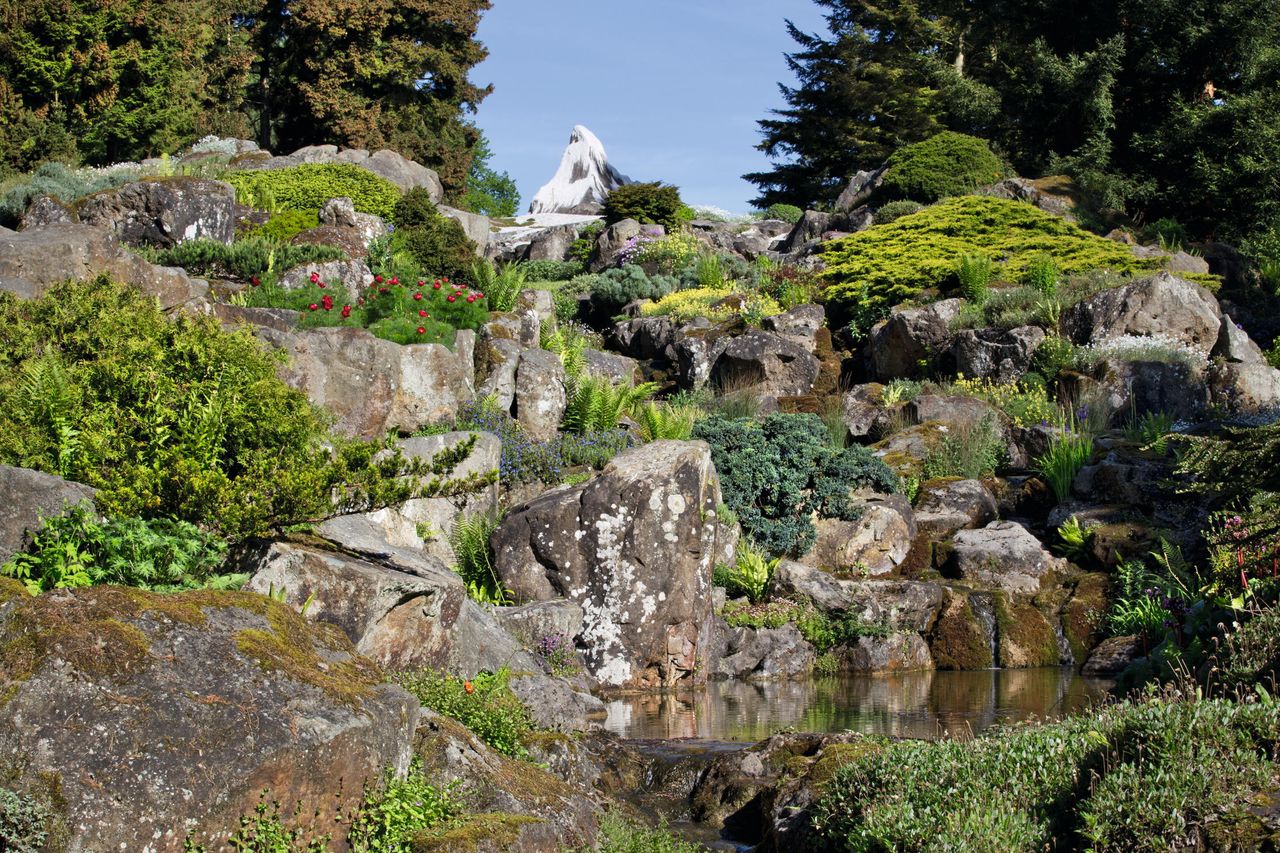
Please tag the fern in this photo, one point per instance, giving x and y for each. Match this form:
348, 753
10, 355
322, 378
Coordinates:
658, 421
596, 404
501, 287
48, 394
469, 539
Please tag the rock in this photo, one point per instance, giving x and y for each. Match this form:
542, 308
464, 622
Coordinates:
634, 546
537, 311
646, 338
29, 498
861, 187
1234, 345
554, 705
341, 226
1083, 617
616, 368
1175, 261
551, 244
946, 506
32, 261
762, 654
801, 323
759, 238
405, 174
1142, 387
910, 336
475, 225
164, 211
516, 806
262, 697
496, 361
372, 385
807, 232
863, 413
611, 242
583, 181
1123, 477
45, 211
1162, 305
353, 275
1025, 638
874, 545
952, 411
540, 395
775, 365
899, 605
1022, 189
894, 653
537, 620
1244, 387
1003, 555
1000, 355
234, 316
964, 637
1113, 656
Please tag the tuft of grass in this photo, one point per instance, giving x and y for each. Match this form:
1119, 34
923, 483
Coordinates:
1068, 452
967, 451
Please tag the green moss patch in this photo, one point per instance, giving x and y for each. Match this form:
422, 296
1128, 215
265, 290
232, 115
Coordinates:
870, 272
1024, 636
492, 831
959, 640
1083, 615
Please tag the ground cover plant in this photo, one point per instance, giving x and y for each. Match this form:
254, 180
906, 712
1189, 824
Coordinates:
484, 704
308, 186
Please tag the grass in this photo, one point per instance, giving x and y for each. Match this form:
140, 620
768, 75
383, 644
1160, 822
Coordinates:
1068, 452
967, 451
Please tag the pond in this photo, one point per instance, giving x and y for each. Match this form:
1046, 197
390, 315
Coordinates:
917, 705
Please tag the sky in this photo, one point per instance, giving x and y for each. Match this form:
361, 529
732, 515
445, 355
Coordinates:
673, 88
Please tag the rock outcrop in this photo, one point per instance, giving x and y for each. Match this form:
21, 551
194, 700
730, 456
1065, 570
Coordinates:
164, 211
29, 498
583, 181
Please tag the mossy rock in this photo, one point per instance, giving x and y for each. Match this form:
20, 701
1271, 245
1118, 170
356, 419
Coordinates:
482, 833
1083, 614
1024, 636
959, 640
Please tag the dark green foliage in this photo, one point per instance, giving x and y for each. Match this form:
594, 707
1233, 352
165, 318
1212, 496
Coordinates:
243, 259
584, 246
308, 186
288, 223
1240, 468
896, 210
57, 181
653, 203
23, 823
473, 551
941, 166
628, 283
180, 419
785, 212
552, 270
76, 549
484, 704
618, 835
436, 242
1250, 654
1129, 777
489, 192
775, 475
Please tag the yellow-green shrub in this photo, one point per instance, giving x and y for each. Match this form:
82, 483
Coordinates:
714, 303
310, 185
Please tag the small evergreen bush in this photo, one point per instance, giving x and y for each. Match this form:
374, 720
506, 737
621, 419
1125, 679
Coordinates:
252, 257
619, 286
437, 243
895, 210
786, 212
310, 185
649, 204
552, 270
1042, 275
944, 165
286, 224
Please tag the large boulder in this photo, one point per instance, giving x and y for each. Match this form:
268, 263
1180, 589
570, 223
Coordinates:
165, 211
143, 718
29, 498
634, 547
758, 654
1163, 306
946, 506
551, 244
612, 241
861, 187
775, 365
405, 174
32, 261
1003, 555
540, 394
47, 210
999, 355
906, 652
897, 605
373, 385
873, 545
353, 275
909, 337
474, 225
1113, 656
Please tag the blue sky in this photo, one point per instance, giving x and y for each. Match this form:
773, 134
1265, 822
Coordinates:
673, 88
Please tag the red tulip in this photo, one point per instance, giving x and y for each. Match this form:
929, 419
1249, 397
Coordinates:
436, 285
423, 314
383, 290
346, 311
451, 298
255, 281
421, 283
422, 330
471, 299
417, 297
395, 280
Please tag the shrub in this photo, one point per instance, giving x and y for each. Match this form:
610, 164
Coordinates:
785, 212
750, 573
653, 203
944, 165
584, 246
484, 704
501, 287
789, 285
618, 835
823, 631
1054, 355
1137, 609
669, 254
76, 549
1042, 275
895, 210
1152, 348
23, 823
252, 257
597, 404
469, 540
437, 243
283, 226
717, 305
1136, 776
1025, 402
552, 270
975, 273
1250, 653
1068, 452
870, 272
310, 185
389, 818
61, 182
181, 419
967, 451
777, 474
617, 287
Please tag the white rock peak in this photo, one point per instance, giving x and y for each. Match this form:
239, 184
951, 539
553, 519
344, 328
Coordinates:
583, 180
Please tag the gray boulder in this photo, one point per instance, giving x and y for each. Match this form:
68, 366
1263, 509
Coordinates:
540, 395
265, 698
1235, 345
475, 225
1112, 656
164, 211
874, 545
1004, 555
758, 654
860, 188
895, 653
611, 241
495, 365
646, 338
1140, 387
616, 368
29, 498
801, 323
775, 365
1162, 305
551, 244
863, 413
353, 275
1000, 355
532, 622
634, 547
554, 705
45, 211
1244, 387
404, 173
910, 336
944, 507
899, 605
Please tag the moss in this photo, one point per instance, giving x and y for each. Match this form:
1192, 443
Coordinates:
958, 640
305, 653
1024, 636
1082, 617
492, 831
837, 755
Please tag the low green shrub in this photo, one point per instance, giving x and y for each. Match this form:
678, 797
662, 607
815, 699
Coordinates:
177, 418
669, 254
619, 286
584, 246
552, 270
484, 704
1042, 275
501, 286
895, 210
967, 451
785, 212
947, 164
750, 573
76, 549
391, 817
1136, 776
619, 835
23, 823
286, 224
245, 259
309, 185
647, 203
437, 243
58, 181
869, 272
823, 631
776, 475
1054, 355
1025, 402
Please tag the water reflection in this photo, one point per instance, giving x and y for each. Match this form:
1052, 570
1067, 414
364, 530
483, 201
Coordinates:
918, 705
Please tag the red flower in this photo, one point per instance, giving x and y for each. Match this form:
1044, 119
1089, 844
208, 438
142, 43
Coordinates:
383, 290
471, 298
313, 306
421, 283
395, 280
378, 279
423, 313
346, 311
327, 302
255, 281
437, 284
445, 279
451, 298
417, 296
422, 330
479, 296
322, 285
315, 277
468, 686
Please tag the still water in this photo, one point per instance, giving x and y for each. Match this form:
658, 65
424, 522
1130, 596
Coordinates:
916, 705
